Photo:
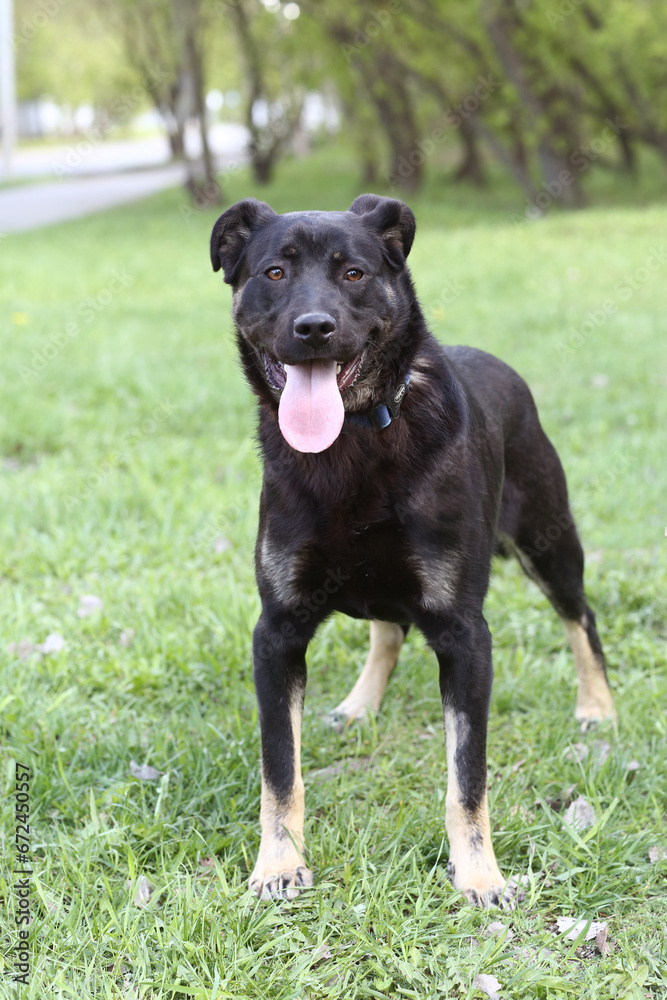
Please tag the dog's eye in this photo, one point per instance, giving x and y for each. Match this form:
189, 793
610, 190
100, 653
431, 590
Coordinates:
275, 273
354, 274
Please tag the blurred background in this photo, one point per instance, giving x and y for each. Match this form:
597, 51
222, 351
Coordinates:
544, 94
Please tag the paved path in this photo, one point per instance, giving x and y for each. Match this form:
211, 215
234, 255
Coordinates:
101, 179
30, 206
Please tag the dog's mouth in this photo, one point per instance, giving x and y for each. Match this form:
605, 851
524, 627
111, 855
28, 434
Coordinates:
311, 410
346, 372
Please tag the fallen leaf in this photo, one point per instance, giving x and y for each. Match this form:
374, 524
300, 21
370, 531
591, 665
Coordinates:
488, 985
89, 604
341, 766
632, 769
575, 927
221, 545
578, 752
601, 943
23, 649
524, 814
519, 763
207, 862
563, 798
497, 927
532, 954
128, 989
322, 953
53, 643
144, 772
601, 750
657, 853
126, 637
580, 814
121, 971
514, 892
145, 890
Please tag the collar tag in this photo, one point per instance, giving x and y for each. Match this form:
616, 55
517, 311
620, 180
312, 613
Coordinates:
382, 415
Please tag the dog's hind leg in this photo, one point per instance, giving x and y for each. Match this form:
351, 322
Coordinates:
594, 699
386, 641
536, 519
279, 671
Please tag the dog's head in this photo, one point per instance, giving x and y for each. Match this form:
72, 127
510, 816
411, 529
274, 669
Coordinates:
320, 301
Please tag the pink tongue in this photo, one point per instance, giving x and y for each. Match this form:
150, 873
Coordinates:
311, 410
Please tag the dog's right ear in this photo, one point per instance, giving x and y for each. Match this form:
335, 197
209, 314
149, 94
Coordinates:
232, 231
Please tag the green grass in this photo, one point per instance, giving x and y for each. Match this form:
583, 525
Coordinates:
130, 453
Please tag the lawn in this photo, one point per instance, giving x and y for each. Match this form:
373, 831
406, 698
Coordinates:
130, 478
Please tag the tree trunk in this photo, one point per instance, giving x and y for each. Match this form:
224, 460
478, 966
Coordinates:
385, 81
266, 143
211, 189
201, 180
177, 143
554, 167
471, 168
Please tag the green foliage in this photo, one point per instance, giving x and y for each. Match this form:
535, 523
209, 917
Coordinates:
130, 453
443, 85
66, 50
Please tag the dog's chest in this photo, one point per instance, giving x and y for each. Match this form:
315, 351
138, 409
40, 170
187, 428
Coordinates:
364, 570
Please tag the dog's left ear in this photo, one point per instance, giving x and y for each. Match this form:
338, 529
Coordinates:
391, 219
231, 234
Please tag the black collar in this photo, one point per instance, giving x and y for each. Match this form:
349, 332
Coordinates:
381, 415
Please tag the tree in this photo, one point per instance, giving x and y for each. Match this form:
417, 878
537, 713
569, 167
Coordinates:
163, 42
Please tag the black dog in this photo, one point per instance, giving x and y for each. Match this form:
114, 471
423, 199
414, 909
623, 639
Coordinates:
393, 469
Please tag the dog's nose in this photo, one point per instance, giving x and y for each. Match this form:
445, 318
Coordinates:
314, 328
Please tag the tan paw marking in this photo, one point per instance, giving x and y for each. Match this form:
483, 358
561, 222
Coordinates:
282, 884
594, 699
484, 890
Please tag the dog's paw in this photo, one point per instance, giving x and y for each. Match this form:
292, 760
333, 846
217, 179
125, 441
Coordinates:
281, 885
592, 712
595, 702
485, 890
343, 715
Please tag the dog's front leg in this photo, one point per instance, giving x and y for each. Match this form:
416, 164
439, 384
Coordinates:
466, 674
279, 672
